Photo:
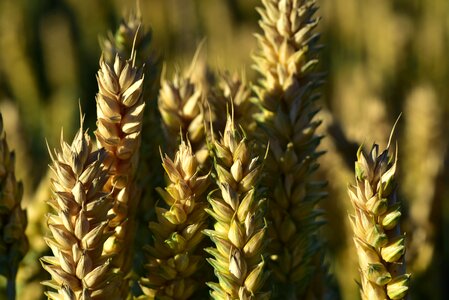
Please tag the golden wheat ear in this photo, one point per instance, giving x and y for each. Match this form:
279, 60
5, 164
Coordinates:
378, 238
13, 219
239, 232
120, 109
78, 224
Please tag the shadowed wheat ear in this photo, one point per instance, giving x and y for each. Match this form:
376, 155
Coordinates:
13, 219
78, 224
286, 93
239, 230
120, 109
130, 35
378, 239
232, 90
182, 107
174, 258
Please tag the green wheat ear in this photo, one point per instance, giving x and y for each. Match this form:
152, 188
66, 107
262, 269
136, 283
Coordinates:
286, 94
239, 232
378, 239
174, 257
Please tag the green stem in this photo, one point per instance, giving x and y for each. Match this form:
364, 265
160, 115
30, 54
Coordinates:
11, 281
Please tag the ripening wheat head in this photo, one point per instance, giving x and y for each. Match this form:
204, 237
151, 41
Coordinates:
130, 35
13, 219
120, 109
378, 239
78, 224
174, 258
239, 230
232, 90
286, 94
182, 106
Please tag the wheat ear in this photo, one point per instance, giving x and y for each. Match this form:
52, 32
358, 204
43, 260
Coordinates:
78, 224
232, 89
130, 35
378, 239
13, 219
286, 94
133, 34
120, 109
174, 258
239, 230
182, 106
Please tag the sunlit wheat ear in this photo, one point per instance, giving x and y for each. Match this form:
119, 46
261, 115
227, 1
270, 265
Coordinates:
239, 229
378, 239
174, 259
286, 93
13, 219
182, 107
78, 224
120, 109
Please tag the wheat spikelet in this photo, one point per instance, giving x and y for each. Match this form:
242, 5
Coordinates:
13, 219
182, 107
78, 225
377, 235
286, 95
174, 258
120, 109
239, 231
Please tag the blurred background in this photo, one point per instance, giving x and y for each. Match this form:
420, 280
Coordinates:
380, 57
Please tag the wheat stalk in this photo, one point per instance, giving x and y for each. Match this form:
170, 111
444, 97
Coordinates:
377, 235
78, 225
13, 219
239, 230
120, 109
174, 257
286, 95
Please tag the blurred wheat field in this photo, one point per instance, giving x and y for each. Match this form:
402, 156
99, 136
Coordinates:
380, 58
